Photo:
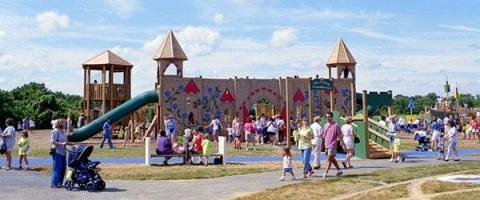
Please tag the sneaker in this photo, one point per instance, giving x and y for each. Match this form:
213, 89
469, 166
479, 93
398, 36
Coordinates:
339, 173
456, 160
391, 159
396, 161
282, 178
446, 160
304, 175
350, 167
316, 167
7, 168
324, 176
4, 167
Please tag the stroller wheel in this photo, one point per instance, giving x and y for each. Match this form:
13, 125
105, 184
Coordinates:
90, 187
69, 185
100, 184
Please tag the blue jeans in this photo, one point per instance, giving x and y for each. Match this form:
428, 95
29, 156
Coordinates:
107, 137
306, 154
58, 169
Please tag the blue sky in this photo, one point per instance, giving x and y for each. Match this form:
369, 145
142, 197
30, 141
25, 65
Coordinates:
405, 46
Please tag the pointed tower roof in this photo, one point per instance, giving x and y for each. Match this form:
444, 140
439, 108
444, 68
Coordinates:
107, 57
170, 49
340, 55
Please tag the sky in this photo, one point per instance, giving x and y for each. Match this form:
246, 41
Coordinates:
409, 47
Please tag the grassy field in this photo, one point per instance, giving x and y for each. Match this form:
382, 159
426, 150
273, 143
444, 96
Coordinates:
41, 147
179, 172
354, 183
475, 195
432, 187
395, 192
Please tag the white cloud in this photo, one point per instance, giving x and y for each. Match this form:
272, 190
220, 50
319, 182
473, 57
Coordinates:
51, 20
283, 37
124, 8
378, 35
218, 18
460, 28
195, 41
2, 34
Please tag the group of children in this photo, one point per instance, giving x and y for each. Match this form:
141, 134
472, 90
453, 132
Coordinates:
24, 148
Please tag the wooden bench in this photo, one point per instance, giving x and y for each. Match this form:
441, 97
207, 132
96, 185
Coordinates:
220, 154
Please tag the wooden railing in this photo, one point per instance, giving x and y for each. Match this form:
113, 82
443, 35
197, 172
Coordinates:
120, 92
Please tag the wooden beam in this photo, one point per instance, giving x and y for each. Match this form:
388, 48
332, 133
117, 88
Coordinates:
353, 97
103, 89
365, 120
87, 98
110, 83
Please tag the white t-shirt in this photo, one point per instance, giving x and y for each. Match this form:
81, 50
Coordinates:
445, 120
287, 162
280, 124
215, 124
271, 127
230, 131
347, 132
452, 134
317, 133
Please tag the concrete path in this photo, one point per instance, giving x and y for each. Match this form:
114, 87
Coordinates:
32, 185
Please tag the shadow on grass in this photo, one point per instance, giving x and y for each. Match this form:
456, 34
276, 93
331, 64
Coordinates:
193, 164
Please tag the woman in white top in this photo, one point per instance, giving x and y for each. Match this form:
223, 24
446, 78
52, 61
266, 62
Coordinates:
348, 140
452, 140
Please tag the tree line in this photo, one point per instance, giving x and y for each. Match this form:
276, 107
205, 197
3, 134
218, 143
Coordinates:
37, 102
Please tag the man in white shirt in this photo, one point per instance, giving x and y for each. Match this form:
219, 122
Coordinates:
316, 141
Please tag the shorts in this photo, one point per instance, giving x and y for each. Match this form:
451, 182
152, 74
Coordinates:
392, 138
332, 151
249, 137
452, 144
170, 132
348, 144
436, 135
287, 170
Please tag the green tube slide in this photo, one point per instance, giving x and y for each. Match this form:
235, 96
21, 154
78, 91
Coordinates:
116, 114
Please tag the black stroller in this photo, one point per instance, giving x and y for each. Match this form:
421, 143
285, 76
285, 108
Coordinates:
424, 143
83, 172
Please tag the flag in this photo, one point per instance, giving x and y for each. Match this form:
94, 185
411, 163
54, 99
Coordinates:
457, 94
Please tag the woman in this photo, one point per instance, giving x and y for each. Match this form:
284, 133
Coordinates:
348, 140
271, 130
164, 146
8, 137
59, 141
236, 132
305, 136
452, 140
249, 134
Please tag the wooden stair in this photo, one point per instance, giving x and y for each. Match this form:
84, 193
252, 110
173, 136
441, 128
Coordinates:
377, 151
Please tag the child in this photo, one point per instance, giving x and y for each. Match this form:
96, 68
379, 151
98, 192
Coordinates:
396, 149
23, 149
230, 134
287, 164
441, 148
206, 149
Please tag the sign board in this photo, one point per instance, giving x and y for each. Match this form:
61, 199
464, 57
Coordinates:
322, 84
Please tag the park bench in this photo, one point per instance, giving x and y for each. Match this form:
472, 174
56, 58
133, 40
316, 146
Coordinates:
220, 154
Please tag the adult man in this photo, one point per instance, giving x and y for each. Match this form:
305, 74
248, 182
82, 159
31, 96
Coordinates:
25, 123
331, 134
316, 141
280, 129
171, 128
392, 129
436, 129
80, 120
107, 133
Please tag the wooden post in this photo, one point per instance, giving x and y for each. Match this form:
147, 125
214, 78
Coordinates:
103, 89
310, 93
365, 120
147, 151
110, 83
87, 114
287, 116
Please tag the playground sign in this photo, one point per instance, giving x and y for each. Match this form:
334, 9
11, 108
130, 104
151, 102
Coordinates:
322, 84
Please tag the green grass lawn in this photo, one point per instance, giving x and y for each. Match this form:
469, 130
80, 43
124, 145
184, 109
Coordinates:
179, 172
335, 186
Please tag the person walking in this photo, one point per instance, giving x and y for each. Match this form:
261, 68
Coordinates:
69, 127
452, 140
392, 129
305, 136
436, 130
107, 133
317, 141
8, 139
331, 134
59, 154
475, 128
348, 140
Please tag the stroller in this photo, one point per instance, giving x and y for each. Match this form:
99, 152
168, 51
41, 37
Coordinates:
424, 143
83, 172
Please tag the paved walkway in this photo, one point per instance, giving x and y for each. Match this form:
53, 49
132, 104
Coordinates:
32, 185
